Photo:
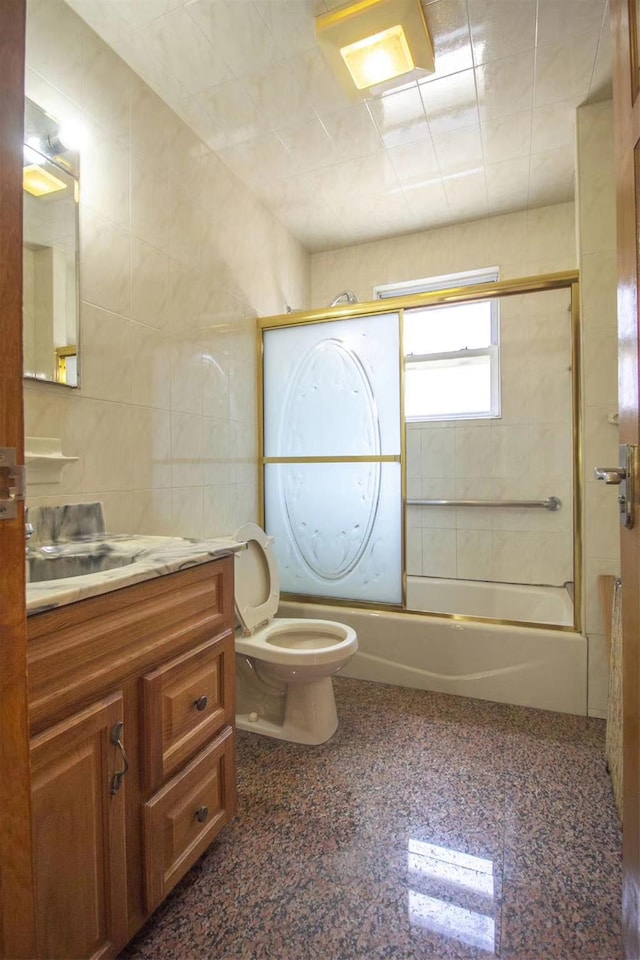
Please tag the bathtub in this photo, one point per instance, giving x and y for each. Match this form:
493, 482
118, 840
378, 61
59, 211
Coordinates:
528, 666
500, 601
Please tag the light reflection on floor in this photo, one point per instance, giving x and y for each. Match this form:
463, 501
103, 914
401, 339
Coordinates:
449, 920
460, 872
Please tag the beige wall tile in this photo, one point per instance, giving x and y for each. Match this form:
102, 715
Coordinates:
106, 370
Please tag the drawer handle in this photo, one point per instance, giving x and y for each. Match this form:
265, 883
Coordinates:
116, 740
202, 814
201, 703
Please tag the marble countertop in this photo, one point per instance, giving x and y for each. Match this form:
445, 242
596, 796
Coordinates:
127, 559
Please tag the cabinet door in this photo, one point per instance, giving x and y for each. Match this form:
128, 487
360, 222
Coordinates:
79, 835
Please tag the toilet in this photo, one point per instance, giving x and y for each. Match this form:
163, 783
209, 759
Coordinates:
283, 666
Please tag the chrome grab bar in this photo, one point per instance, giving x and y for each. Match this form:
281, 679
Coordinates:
551, 503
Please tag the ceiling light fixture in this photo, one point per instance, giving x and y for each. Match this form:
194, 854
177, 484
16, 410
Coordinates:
369, 44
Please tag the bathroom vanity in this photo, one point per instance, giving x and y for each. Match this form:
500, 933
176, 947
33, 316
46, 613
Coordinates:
131, 707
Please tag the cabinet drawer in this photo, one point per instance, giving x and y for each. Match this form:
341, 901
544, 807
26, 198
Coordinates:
182, 819
185, 703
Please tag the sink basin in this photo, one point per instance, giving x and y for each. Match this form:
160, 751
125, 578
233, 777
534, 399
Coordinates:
61, 567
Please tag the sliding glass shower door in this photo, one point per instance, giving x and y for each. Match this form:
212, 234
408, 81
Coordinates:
332, 457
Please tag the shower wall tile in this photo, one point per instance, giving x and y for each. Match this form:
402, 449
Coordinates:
414, 549
474, 554
177, 260
439, 553
511, 556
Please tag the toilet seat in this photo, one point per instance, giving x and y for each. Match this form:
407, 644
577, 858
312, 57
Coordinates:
257, 582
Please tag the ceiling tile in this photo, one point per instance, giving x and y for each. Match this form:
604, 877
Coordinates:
451, 102
309, 145
553, 127
415, 164
319, 85
505, 86
601, 82
501, 26
467, 195
558, 22
551, 177
508, 184
185, 50
234, 111
428, 203
400, 116
353, 131
373, 176
448, 23
279, 95
563, 70
263, 159
138, 14
460, 151
507, 137
291, 23
237, 32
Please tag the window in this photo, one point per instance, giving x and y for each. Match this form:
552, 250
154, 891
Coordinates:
452, 359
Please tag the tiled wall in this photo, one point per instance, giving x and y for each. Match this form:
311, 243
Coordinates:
177, 259
597, 252
525, 454
537, 241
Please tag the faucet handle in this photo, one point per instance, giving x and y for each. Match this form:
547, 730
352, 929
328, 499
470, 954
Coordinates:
28, 530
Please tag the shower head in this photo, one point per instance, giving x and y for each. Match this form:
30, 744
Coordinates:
347, 296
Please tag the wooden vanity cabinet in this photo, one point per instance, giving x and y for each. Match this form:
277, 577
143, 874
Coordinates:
151, 666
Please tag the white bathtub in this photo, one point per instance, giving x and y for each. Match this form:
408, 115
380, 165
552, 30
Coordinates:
530, 666
500, 601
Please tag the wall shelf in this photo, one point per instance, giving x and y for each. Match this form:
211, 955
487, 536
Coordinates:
44, 459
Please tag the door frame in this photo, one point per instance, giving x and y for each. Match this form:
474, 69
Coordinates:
17, 915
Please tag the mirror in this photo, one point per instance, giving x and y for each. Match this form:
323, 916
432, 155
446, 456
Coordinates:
50, 250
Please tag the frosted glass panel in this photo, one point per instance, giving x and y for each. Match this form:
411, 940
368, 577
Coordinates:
336, 528
333, 389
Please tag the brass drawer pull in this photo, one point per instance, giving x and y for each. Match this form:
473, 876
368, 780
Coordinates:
116, 740
202, 814
201, 703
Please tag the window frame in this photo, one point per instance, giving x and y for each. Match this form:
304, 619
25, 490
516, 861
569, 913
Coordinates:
444, 282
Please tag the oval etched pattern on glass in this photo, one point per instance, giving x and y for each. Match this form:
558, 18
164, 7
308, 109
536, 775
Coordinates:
330, 411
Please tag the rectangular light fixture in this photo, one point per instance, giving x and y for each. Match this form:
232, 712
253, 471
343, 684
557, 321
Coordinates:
373, 42
38, 182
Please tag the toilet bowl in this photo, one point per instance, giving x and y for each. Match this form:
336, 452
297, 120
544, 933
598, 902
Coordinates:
283, 666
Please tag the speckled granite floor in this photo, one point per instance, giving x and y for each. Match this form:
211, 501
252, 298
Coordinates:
430, 826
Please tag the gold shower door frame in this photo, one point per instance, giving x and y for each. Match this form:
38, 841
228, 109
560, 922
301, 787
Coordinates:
500, 289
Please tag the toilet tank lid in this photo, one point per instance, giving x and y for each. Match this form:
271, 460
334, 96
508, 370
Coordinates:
257, 584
